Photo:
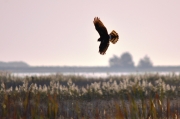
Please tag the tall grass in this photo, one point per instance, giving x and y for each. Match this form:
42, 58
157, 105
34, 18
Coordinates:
141, 96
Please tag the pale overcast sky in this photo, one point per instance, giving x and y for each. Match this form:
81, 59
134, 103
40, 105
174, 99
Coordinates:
61, 32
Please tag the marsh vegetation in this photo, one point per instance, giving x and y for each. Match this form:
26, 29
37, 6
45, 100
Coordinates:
136, 96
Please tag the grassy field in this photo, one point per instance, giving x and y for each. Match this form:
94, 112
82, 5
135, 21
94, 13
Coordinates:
140, 96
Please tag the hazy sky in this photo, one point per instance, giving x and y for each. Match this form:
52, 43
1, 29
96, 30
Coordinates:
61, 32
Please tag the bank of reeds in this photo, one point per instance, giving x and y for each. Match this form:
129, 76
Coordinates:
140, 96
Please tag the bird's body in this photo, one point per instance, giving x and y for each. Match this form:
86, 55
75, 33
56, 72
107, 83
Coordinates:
104, 36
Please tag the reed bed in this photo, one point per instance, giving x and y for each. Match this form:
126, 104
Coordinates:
140, 96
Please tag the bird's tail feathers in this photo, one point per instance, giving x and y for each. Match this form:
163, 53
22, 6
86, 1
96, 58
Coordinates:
113, 37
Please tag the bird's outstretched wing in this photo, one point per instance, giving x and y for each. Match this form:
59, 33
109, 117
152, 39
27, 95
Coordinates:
103, 47
100, 27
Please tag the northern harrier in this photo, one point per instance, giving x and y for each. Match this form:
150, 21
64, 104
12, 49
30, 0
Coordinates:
104, 36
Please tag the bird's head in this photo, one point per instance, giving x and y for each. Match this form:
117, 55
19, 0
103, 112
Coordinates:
99, 39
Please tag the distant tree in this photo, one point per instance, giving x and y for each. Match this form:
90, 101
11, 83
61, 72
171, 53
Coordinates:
124, 61
114, 61
145, 62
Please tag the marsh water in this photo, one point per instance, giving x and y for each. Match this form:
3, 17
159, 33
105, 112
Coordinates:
94, 74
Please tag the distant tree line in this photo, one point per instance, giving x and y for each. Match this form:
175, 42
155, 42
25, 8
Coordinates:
126, 61
14, 64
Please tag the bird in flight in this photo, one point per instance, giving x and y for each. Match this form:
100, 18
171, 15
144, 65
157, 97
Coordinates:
105, 38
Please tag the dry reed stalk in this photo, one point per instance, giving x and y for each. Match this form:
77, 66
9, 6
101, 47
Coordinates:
168, 108
118, 112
